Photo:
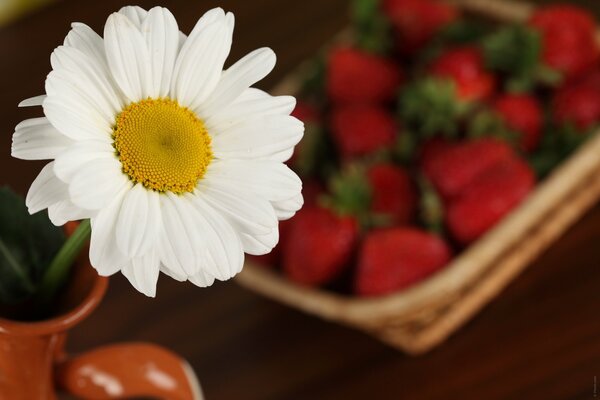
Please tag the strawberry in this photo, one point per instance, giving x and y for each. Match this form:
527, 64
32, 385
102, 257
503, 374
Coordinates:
578, 105
319, 245
355, 76
590, 79
392, 193
568, 43
362, 130
488, 199
395, 258
452, 168
416, 22
306, 112
522, 114
465, 67
432, 148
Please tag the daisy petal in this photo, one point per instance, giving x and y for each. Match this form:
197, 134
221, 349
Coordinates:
64, 211
37, 139
89, 74
259, 245
95, 112
286, 209
252, 103
178, 251
281, 156
45, 190
69, 162
177, 275
135, 14
202, 279
258, 137
162, 37
271, 180
255, 216
83, 38
128, 57
139, 222
97, 183
142, 273
33, 101
239, 77
105, 255
224, 245
200, 61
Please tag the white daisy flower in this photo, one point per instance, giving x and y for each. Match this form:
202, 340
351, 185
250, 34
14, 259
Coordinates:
178, 163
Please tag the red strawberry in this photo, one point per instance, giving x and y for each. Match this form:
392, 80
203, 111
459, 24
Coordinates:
306, 112
465, 67
432, 148
488, 199
392, 193
453, 168
415, 22
362, 130
355, 76
522, 114
395, 258
590, 79
568, 43
319, 245
578, 105
311, 191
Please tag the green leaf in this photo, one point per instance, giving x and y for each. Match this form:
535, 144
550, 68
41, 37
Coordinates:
431, 207
371, 27
350, 191
515, 51
487, 123
27, 245
459, 33
429, 107
314, 80
558, 143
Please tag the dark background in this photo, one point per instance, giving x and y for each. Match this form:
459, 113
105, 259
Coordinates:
539, 340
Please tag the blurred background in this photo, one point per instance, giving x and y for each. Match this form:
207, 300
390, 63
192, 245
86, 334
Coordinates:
540, 339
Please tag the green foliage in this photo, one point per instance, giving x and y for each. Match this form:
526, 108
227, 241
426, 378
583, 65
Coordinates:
459, 33
558, 143
429, 107
515, 51
431, 207
28, 244
371, 27
350, 191
313, 86
487, 123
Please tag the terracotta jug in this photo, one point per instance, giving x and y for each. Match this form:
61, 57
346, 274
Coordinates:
34, 365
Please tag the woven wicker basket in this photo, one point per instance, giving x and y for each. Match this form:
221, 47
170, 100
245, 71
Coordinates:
418, 318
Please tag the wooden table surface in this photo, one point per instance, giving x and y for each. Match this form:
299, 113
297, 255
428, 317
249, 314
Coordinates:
539, 340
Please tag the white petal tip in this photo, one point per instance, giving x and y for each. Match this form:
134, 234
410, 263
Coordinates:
33, 101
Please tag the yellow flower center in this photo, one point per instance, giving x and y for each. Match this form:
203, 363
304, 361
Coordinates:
162, 145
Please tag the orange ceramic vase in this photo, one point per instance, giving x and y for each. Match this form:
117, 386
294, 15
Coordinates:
34, 365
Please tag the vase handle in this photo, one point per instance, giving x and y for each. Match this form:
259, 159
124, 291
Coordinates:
128, 370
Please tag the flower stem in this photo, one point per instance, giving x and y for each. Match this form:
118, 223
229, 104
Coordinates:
59, 268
